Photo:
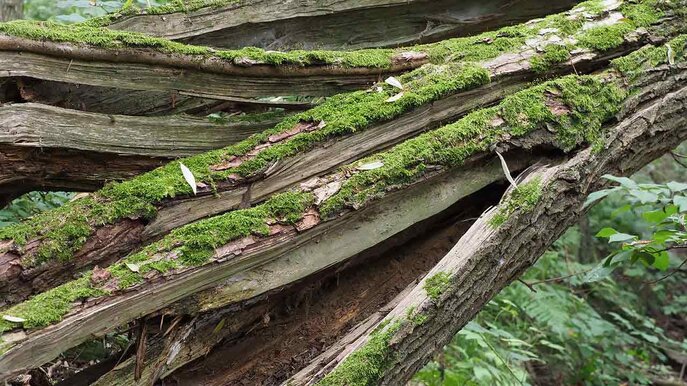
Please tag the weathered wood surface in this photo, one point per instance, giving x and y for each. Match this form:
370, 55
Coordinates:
132, 102
285, 25
296, 253
106, 68
35, 125
51, 148
23, 169
281, 317
486, 259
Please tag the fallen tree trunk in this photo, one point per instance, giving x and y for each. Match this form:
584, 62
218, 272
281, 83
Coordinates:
124, 60
266, 172
560, 114
287, 25
497, 250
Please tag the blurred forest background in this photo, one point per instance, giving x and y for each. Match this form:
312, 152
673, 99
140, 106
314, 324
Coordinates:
571, 319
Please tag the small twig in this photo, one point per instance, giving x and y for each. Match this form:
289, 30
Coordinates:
553, 279
140, 348
528, 285
676, 270
678, 158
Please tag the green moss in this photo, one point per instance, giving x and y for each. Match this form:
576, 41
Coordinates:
171, 7
366, 365
194, 244
523, 199
84, 34
636, 15
585, 103
436, 285
553, 54
634, 64
415, 317
50, 306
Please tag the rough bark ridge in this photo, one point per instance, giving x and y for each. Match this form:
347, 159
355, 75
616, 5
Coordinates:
324, 185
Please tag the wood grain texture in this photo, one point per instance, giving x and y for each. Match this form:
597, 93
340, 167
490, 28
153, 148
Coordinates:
39, 126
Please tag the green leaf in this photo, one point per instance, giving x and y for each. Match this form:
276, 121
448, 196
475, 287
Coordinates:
595, 196
647, 258
662, 261
599, 272
624, 181
644, 196
620, 237
554, 346
681, 202
655, 216
606, 232
676, 186
662, 235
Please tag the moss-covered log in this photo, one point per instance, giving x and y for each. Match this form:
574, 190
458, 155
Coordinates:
355, 203
254, 169
287, 25
490, 255
244, 336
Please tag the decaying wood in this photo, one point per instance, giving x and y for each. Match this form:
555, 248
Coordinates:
486, 258
316, 24
23, 169
345, 236
34, 125
242, 271
150, 70
509, 72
